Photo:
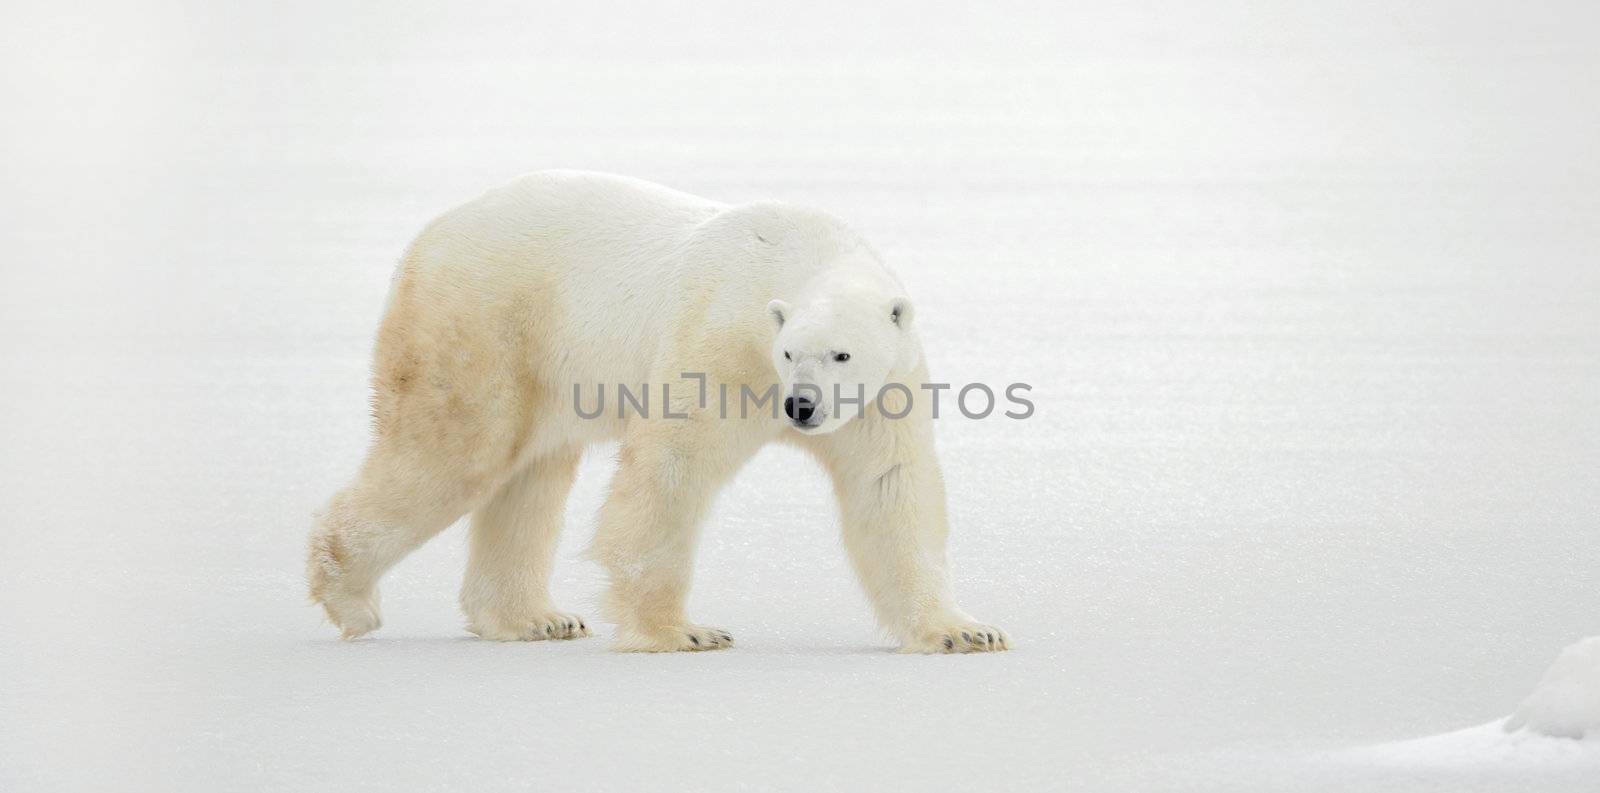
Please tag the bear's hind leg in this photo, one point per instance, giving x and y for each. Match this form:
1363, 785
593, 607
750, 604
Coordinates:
365, 530
506, 593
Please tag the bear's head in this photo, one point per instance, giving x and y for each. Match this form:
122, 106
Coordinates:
836, 348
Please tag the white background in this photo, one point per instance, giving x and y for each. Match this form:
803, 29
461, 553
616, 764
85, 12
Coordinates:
1308, 292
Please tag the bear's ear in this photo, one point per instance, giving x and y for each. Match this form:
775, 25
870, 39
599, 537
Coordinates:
901, 312
780, 311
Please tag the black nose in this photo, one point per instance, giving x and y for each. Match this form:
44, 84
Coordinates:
799, 409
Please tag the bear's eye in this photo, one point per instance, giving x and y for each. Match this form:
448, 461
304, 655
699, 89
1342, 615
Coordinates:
786, 356
842, 357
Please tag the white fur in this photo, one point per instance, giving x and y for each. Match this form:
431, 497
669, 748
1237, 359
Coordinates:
564, 278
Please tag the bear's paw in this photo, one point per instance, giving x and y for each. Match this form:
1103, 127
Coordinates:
964, 638
544, 626
675, 638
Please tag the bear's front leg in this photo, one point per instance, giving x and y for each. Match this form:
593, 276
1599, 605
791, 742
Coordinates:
892, 510
668, 471
898, 552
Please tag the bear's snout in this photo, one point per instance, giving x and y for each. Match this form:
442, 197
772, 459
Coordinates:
799, 409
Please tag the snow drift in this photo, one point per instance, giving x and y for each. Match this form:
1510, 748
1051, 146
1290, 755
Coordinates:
1566, 703
1553, 738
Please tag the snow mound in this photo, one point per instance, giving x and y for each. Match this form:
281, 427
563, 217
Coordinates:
1484, 747
1554, 733
1566, 703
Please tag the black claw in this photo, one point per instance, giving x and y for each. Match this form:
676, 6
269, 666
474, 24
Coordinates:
949, 643
694, 639
966, 636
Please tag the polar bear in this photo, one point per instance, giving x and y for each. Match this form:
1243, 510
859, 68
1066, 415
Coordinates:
503, 311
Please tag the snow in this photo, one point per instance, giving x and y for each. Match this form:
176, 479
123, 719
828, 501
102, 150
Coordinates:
1487, 748
1566, 703
1553, 737
1307, 293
